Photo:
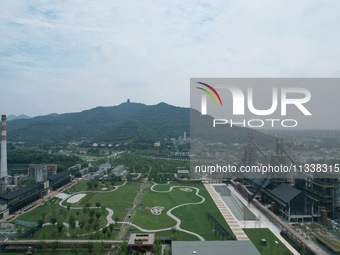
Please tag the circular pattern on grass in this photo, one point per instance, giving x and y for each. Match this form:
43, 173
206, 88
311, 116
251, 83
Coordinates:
76, 198
157, 210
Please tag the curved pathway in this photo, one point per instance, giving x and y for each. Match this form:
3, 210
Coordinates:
169, 212
109, 217
88, 191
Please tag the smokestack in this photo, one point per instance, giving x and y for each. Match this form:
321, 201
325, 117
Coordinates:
185, 136
3, 168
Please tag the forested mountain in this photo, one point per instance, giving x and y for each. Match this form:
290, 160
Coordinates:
127, 122
13, 117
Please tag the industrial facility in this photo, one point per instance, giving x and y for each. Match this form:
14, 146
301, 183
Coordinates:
295, 198
4, 178
40, 172
18, 199
45, 179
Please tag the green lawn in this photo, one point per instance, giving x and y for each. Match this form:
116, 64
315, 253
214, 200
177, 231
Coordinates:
177, 235
80, 186
273, 246
146, 219
194, 217
51, 205
165, 186
117, 200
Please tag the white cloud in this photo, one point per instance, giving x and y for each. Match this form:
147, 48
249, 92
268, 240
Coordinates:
62, 56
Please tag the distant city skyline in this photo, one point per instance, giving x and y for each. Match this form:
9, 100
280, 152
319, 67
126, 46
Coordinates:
69, 56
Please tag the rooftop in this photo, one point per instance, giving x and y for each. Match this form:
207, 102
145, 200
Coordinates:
141, 239
213, 247
284, 192
19, 192
58, 175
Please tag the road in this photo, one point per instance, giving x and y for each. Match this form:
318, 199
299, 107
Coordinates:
122, 236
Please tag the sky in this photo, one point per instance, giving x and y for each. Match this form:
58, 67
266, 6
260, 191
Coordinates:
68, 56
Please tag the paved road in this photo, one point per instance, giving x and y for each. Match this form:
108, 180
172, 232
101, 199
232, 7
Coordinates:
129, 217
122, 236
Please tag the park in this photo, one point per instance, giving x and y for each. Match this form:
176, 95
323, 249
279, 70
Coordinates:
172, 209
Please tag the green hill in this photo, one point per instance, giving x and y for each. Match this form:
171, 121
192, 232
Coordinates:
127, 122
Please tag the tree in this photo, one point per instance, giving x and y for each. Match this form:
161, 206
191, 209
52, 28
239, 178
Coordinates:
123, 249
104, 230
77, 213
54, 246
40, 222
91, 213
90, 247
40, 245
96, 226
91, 220
88, 227
60, 227
82, 223
111, 226
174, 234
101, 247
75, 251
98, 214
72, 221
116, 219
68, 206
108, 233
43, 215
53, 220
158, 248
89, 184
98, 204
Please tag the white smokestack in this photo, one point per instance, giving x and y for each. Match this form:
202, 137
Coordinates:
3, 168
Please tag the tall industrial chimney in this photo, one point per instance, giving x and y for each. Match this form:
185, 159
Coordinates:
3, 173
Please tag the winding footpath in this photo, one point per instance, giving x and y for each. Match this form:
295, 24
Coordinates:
89, 191
169, 213
152, 188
